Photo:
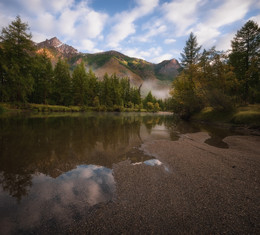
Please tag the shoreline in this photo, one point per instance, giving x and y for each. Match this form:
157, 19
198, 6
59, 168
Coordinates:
206, 190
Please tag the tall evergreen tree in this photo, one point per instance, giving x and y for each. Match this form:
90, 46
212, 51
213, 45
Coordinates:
17, 48
79, 84
245, 58
43, 75
92, 88
62, 84
190, 53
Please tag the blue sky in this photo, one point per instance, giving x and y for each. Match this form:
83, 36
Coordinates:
153, 30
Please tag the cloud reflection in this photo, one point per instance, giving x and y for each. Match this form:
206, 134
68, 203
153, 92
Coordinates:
59, 200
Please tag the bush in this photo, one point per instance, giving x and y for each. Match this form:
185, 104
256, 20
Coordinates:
247, 117
2, 109
219, 101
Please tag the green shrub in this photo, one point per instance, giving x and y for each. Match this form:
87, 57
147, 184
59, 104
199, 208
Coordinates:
247, 117
2, 109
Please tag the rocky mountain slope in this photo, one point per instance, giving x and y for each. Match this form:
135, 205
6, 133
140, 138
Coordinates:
152, 76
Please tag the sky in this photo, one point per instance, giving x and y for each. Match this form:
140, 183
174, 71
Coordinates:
154, 30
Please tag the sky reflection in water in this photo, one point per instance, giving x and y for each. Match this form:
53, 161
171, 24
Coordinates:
56, 167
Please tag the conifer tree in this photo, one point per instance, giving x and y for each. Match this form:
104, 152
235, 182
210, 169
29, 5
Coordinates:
43, 75
16, 61
245, 58
62, 84
79, 84
190, 53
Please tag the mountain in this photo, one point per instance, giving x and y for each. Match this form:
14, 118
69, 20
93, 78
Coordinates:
61, 48
151, 76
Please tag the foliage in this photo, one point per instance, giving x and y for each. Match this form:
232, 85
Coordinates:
43, 75
245, 58
185, 100
62, 84
2, 109
16, 62
190, 53
79, 84
150, 106
216, 80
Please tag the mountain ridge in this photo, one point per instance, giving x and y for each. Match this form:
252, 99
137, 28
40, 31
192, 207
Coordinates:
158, 76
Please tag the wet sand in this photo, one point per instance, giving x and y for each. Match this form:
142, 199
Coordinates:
206, 190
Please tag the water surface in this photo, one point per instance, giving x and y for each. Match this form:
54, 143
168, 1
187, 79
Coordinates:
55, 168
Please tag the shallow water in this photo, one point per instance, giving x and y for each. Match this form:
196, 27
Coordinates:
54, 168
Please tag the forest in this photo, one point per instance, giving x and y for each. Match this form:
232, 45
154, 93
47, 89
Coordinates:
209, 78
219, 80
29, 77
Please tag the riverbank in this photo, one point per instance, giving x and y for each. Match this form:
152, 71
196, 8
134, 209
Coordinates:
245, 115
46, 108
202, 190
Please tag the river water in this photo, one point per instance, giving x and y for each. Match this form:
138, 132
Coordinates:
56, 168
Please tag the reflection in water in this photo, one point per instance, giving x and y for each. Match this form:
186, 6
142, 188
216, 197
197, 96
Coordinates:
153, 162
64, 163
58, 199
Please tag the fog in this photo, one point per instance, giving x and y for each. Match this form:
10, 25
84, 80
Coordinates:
158, 88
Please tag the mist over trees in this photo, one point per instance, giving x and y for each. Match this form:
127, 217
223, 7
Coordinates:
27, 76
221, 80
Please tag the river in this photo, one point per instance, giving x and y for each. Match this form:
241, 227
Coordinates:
56, 168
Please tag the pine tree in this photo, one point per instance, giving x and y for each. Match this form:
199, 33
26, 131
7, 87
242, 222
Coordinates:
245, 58
79, 84
43, 75
92, 88
62, 84
190, 53
16, 61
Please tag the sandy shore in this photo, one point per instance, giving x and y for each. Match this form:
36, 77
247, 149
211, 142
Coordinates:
206, 190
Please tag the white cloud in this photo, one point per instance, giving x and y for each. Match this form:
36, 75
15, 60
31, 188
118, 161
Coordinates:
81, 22
169, 41
256, 19
142, 54
126, 20
58, 6
224, 42
39, 37
229, 12
206, 35
154, 29
66, 19
161, 58
87, 45
44, 23
182, 13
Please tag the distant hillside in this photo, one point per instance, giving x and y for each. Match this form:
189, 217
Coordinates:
139, 71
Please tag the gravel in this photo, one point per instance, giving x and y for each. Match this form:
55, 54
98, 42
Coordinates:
206, 190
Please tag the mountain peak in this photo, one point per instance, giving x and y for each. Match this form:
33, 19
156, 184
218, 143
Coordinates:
64, 49
55, 42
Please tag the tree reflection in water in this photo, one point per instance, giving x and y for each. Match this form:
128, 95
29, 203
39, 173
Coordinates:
56, 165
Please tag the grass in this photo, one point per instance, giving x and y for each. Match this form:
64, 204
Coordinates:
2, 109
245, 115
208, 114
248, 115
44, 108
54, 108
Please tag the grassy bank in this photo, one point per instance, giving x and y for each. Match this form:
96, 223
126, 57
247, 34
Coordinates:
246, 115
11, 107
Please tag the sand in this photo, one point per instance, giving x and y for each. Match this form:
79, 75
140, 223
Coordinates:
199, 189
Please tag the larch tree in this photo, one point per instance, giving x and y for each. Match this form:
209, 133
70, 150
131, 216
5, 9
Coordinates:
79, 84
62, 85
17, 48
